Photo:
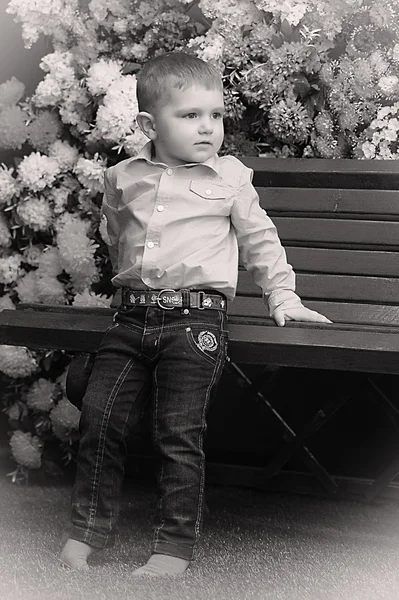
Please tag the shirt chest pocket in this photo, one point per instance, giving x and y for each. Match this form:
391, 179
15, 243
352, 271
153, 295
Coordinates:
218, 197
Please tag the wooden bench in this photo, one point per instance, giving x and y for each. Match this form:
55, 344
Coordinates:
339, 222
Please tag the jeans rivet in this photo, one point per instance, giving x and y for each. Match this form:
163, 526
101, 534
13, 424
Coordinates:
188, 328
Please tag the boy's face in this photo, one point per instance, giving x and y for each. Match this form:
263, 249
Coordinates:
188, 128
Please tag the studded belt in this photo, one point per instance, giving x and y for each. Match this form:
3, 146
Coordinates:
169, 299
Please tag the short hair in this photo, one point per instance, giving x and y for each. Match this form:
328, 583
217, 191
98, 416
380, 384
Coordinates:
172, 70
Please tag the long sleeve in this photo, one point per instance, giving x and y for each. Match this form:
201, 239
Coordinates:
110, 210
261, 251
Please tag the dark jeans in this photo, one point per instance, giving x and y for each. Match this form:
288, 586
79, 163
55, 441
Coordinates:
180, 359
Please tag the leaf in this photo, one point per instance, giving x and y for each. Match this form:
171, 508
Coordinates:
301, 86
277, 41
286, 28
246, 30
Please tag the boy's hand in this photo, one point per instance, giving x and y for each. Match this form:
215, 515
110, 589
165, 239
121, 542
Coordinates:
300, 313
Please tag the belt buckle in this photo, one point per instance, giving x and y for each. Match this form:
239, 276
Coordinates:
159, 299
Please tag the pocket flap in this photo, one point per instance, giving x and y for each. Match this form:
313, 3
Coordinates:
208, 189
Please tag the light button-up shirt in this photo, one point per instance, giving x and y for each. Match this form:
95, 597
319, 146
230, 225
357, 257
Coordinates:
183, 227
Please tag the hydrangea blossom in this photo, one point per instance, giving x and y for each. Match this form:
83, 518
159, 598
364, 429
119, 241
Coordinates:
26, 287
36, 213
31, 255
102, 74
10, 268
11, 92
40, 395
77, 252
99, 9
65, 419
38, 171
8, 184
5, 234
60, 78
65, 154
13, 131
43, 16
26, 449
90, 173
290, 10
17, 361
44, 130
117, 115
89, 298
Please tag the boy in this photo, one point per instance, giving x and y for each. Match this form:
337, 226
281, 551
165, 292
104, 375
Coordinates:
176, 216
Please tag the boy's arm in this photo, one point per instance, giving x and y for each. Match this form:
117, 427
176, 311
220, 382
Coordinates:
264, 257
109, 209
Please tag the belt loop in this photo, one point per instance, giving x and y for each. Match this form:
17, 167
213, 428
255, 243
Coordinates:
185, 301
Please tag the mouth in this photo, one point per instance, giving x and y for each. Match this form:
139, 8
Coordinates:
203, 144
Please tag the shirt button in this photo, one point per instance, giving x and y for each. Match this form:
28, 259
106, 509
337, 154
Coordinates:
169, 171
147, 281
160, 208
208, 192
150, 244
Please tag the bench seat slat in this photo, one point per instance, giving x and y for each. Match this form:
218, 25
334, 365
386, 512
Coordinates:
339, 312
329, 260
350, 232
380, 290
305, 200
293, 346
327, 343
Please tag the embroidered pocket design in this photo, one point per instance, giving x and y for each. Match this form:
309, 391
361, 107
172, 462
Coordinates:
207, 341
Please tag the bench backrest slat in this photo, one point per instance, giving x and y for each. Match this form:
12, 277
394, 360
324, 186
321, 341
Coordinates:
342, 231
379, 290
333, 201
331, 260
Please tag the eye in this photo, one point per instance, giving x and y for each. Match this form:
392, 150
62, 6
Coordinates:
191, 116
217, 115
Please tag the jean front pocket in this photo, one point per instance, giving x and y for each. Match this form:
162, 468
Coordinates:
207, 343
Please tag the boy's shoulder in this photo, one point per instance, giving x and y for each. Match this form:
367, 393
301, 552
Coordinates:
233, 171
113, 170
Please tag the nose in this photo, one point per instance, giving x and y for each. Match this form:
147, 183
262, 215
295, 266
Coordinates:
206, 125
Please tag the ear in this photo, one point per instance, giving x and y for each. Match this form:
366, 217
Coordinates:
146, 122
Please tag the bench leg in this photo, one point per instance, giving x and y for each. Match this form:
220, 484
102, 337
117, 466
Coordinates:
390, 470
310, 460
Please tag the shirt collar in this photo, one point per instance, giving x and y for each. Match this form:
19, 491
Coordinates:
146, 154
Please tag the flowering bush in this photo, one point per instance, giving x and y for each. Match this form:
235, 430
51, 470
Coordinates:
302, 78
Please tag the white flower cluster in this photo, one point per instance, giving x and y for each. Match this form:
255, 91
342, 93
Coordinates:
289, 10
40, 395
8, 185
384, 140
36, 213
10, 268
38, 171
43, 16
41, 285
89, 298
77, 251
65, 155
11, 92
102, 74
90, 173
17, 361
116, 117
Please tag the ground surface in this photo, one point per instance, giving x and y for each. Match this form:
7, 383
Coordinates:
255, 546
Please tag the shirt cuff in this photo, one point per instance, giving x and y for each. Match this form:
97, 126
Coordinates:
283, 300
